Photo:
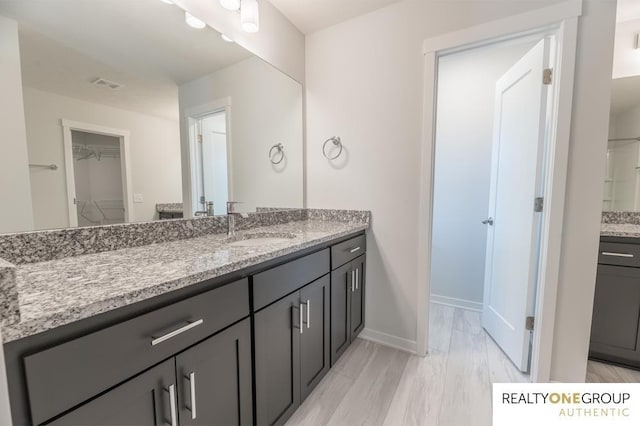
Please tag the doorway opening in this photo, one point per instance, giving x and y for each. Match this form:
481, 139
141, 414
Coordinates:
532, 125
97, 174
210, 168
98, 177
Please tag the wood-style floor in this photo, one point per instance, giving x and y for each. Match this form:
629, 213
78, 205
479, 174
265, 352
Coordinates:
373, 384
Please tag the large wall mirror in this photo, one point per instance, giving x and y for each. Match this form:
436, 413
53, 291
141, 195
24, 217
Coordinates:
132, 115
622, 180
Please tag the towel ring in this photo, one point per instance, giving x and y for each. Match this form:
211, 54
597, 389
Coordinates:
279, 149
335, 140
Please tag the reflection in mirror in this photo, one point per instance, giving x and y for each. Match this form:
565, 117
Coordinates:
622, 180
130, 115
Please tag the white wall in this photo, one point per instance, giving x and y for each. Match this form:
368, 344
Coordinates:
16, 214
266, 108
464, 139
278, 42
155, 154
364, 83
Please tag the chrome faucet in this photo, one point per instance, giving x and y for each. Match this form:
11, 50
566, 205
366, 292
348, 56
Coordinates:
231, 217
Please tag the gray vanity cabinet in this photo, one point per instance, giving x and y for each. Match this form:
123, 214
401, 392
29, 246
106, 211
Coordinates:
347, 305
143, 400
291, 351
615, 324
214, 380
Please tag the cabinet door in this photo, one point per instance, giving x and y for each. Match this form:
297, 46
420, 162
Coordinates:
277, 360
214, 379
143, 400
314, 341
357, 297
616, 312
341, 280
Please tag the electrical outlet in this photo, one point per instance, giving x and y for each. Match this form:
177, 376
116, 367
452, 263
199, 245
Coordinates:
137, 198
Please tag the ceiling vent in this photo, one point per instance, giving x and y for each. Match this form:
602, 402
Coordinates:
108, 84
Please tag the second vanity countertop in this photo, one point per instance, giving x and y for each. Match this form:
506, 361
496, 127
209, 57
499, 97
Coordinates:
620, 230
58, 292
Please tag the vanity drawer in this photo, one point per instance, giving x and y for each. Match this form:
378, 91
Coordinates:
348, 250
271, 285
619, 254
63, 376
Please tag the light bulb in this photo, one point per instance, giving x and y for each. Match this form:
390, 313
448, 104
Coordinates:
230, 4
250, 16
194, 22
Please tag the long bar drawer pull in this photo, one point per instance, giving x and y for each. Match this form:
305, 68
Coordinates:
174, 333
353, 250
608, 253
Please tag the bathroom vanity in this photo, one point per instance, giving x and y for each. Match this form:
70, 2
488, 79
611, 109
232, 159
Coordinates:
615, 327
198, 331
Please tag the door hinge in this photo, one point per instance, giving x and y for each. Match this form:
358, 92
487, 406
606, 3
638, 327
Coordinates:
529, 323
538, 204
547, 76
200, 138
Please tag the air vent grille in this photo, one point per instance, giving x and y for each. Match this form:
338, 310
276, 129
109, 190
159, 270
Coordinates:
108, 84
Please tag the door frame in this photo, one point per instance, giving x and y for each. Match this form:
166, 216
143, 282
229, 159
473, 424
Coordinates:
562, 21
191, 115
124, 137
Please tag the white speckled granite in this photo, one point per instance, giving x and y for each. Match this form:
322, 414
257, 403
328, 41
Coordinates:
621, 218
58, 292
9, 307
169, 207
620, 230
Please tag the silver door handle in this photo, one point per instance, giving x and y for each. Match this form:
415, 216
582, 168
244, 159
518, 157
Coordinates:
353, 250
488, 221
308, 313
357, 278
172, 402
192, 386
301, 325
174, 333
353, 280
608, 253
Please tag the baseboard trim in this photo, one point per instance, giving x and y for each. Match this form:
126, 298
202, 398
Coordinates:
456, 303
385, 339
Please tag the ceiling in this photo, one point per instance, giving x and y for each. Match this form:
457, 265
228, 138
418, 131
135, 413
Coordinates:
313, 15
66, 44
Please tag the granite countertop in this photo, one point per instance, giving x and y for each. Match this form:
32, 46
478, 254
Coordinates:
170, 208
58, 292
620, 230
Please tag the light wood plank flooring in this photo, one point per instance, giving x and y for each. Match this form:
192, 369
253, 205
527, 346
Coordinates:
375, 385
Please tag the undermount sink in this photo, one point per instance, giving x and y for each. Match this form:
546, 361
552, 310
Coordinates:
260, 239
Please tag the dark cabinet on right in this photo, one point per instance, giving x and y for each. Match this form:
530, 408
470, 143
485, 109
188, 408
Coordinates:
347, 294
615, 325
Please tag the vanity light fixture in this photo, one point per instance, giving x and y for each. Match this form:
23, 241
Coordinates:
226, 38
193, 22
232, 5
250, 16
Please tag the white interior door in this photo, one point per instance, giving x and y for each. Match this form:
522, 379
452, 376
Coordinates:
513, 226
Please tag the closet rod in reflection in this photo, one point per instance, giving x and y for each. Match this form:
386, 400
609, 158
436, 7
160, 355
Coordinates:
624, 139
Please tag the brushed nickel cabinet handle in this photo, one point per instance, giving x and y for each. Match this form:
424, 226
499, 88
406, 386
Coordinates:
608, 253
353, 250
308, 313
174, 333
357, 278
301, 325
353, 281
172, 402
192, 388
